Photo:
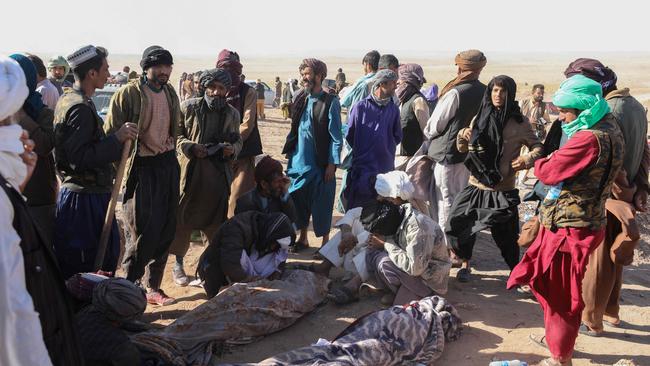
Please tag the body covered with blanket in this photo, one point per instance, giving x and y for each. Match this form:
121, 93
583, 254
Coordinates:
241, 311
400, 335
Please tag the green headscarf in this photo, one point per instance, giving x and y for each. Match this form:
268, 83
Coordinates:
59, 61
581, 93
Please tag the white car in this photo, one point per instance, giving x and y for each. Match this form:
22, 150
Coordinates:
269, 94
102, 98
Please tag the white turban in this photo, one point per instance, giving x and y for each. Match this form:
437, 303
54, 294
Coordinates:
13, 87
394, 184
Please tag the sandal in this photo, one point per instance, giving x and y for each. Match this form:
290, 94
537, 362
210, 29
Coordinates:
584, 329
552, 362
463, 275
297, 247
615, 324
342, 295
539, 340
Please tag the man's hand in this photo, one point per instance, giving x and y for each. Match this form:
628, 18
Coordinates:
641, 200
348, 242
466, 134
376, 241
128, 131
330, 172
29, 157
228, 150
518, 164
199, 151
286, 183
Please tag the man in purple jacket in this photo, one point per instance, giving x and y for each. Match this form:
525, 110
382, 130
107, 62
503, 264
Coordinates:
374, 130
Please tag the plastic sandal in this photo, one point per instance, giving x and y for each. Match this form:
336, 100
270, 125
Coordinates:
539, 340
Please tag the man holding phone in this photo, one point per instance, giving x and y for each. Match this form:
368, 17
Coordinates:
208, 140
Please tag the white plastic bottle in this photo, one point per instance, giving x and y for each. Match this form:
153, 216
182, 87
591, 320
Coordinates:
508, 363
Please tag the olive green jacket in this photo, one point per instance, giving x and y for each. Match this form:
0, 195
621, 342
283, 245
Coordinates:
127, 105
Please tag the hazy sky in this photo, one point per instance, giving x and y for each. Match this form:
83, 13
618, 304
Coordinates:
334, 27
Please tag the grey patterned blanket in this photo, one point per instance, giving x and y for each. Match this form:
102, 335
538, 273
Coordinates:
401, 335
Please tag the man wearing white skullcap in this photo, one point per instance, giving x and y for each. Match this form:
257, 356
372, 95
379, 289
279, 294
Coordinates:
84, 157
20, 309
390, 244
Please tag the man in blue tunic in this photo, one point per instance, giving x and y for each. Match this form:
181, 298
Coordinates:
313, 148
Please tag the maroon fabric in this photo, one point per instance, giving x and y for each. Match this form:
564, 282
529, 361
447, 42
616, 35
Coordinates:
555, 264
229, 60
580, 152
554, 267
594, 70
266, 168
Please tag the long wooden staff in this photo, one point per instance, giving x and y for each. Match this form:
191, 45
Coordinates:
110, 212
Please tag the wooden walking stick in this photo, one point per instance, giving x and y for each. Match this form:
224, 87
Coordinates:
110, 212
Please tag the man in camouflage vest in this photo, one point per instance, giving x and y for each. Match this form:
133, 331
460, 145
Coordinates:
572, 215
84, 154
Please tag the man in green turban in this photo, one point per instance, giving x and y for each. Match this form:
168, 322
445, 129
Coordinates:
572, 215
59, 70
584, 95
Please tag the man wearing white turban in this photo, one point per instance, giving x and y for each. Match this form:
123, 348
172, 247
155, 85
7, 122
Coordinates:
22, 336
389, 244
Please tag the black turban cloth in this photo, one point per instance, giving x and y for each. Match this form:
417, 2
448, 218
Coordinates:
486, 143
382, 217
219, 75
155, 55
273, 226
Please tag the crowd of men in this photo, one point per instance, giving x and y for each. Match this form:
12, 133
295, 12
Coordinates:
424, 173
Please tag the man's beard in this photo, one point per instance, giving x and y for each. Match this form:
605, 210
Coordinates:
215, 102
157, 79
276, 193
308, 85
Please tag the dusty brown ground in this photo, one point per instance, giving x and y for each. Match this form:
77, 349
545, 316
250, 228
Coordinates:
497, 321
527, 69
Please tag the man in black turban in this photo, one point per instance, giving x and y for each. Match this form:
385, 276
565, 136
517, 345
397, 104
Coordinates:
209, 140
152, 182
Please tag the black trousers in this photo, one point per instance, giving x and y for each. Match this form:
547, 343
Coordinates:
474, 210
150, 207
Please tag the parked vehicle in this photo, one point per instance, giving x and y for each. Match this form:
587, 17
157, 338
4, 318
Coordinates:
102, 98
269, 94
329, 85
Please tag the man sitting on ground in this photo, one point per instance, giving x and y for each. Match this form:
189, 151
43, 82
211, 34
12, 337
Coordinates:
271, 193
390, 244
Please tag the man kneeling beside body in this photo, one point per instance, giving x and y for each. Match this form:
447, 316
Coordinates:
391, 244
248, 247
